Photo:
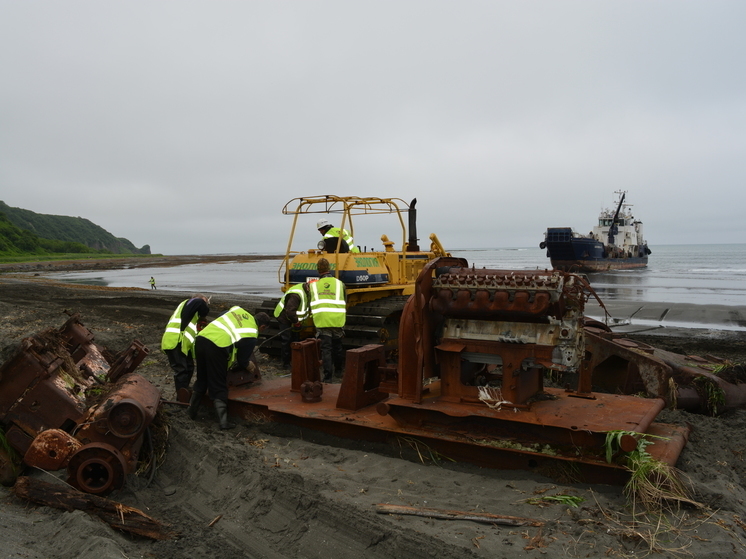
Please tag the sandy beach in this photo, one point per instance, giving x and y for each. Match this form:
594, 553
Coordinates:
284, 492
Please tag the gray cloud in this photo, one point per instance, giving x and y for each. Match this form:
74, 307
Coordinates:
188, 125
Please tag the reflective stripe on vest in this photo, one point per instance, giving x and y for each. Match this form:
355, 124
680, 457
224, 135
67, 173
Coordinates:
303, 311
230, 327
328, 305
172, 335
188, 335
337, 232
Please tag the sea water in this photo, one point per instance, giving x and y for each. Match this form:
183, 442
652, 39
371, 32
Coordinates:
698, 274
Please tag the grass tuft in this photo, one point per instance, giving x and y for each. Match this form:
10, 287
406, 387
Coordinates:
713, 395
569, 500
654, 486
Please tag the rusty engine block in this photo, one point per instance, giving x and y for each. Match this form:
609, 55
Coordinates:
66, 402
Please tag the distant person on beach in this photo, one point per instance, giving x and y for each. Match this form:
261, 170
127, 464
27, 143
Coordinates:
227, 342
329, 311
152, 282
290, 312
332, 236
178, 339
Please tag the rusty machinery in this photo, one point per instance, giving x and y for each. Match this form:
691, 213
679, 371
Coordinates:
67, 402
474, 348
699, 384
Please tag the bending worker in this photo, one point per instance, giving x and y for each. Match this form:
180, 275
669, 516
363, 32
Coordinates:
290, 312
329, 311
228, 341
178, 339
335, 235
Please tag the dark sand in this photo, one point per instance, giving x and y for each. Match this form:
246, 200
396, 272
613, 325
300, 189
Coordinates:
287, 493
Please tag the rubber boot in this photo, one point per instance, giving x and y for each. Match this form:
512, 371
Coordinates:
221, 408
194, 402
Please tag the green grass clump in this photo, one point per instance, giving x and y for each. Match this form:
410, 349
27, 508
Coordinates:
713, 395
569, 500
653, 485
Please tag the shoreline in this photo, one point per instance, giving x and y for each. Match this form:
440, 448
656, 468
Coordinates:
116, 263
629, 317
633, 316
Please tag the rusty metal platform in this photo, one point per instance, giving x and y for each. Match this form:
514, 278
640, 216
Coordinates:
503, 439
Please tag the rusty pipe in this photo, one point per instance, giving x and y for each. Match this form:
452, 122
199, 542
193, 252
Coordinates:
688, 398
129, 408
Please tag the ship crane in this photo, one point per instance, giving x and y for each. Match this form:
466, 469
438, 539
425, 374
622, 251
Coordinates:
613, 229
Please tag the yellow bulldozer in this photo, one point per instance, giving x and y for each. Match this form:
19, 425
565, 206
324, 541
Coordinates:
378, 281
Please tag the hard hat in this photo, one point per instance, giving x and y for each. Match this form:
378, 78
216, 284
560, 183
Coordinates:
322, 223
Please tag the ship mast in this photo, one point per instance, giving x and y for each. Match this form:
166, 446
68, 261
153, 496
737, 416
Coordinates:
613, 229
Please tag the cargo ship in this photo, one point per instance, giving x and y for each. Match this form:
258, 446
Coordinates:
616, 243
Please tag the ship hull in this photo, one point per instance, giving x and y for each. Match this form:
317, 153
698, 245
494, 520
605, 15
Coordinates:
602, 265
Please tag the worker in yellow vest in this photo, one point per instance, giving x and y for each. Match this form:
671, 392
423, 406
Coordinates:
178, 338
329, 311
334, 235
292, 310
227, 342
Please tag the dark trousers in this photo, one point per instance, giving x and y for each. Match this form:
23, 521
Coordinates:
287, 336
332, 352
182, 365
212, 369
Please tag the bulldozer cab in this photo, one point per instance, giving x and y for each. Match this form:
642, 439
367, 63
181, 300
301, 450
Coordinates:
371, 273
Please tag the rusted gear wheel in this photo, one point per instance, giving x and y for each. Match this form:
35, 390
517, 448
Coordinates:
126, 419
97, 468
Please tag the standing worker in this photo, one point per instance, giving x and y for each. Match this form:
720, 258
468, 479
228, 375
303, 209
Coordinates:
228, 341
292, 309
178, 339
333, 236
329, 311
152, 282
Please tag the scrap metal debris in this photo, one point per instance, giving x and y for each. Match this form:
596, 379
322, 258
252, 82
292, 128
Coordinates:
66, 402
698, 384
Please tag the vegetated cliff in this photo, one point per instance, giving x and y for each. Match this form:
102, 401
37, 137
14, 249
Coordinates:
70, 229
15, 241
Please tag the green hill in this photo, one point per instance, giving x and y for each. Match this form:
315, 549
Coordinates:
62, 229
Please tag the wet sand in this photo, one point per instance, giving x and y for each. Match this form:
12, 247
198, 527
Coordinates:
671, 319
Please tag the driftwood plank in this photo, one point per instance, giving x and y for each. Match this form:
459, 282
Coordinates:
483, 517
116, 515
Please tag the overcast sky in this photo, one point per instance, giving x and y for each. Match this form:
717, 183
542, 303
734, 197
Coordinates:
188, 125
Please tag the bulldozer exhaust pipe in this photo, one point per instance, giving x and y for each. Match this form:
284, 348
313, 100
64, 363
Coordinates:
412, 245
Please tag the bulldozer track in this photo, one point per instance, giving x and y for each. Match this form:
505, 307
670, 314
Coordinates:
374, 322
